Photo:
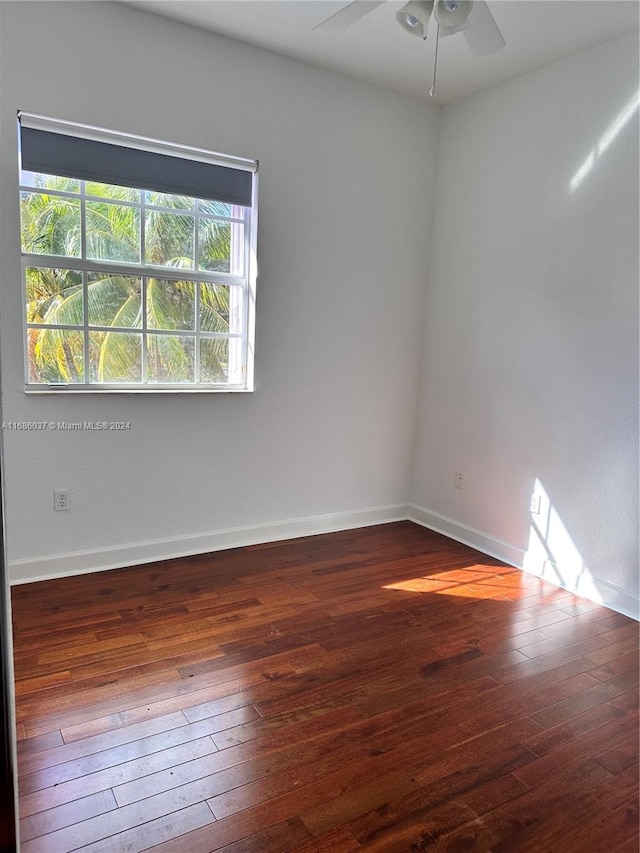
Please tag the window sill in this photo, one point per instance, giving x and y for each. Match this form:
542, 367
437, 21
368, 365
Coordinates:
38, 392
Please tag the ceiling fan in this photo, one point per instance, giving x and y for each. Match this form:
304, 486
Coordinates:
471, 17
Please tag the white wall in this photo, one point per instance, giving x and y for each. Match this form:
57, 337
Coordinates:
530, 356
343, 233
530, 369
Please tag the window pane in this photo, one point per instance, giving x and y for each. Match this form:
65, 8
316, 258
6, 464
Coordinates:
54, 296
221, 308
115, 357
215, 245
114, 300
237, 369
169, 240
236, 310
170, 304
50, 224
214, 360
218, 208
180, 202
170, 358
113, 232
214, 307
56, 356
49, 182
112, 191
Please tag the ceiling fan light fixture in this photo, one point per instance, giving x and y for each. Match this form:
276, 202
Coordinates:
414, 17
452, 13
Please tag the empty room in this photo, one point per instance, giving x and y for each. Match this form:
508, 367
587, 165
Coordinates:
319, 399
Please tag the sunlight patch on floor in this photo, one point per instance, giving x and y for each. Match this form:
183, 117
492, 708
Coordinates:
478, 581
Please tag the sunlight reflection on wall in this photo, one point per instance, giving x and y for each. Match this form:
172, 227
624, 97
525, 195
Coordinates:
553, 555
611, 133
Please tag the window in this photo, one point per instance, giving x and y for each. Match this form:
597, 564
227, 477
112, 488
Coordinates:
138, 262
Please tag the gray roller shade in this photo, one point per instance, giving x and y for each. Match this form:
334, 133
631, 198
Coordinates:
74, 157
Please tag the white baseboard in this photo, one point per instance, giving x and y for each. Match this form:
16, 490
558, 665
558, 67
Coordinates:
586, 586
467, 535
135, 553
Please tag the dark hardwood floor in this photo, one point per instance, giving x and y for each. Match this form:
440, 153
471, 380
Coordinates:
383, 689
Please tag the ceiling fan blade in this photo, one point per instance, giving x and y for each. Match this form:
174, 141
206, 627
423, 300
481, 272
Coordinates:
451, 31
483, 35
349, 15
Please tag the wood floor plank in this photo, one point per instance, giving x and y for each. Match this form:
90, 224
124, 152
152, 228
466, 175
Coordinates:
535, 817
549, 660
26, 686
621, 756
629, 631
236, 828
337, 841
151, 833
385, 689
582, 606
101, 827
156, 699
410, 821
39, 743
99, 649
60, 817
66, 783
232, 767
616, 790
588, 698
99, 743
582, 723
90, 691
614, 650
628, 662
604, 832
281, 838
327, 816
581, 749
316, 780
215, 708
615, 620
632, 845
585, 624
563, 641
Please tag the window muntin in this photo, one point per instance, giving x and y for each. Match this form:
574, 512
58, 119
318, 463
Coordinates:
134, 288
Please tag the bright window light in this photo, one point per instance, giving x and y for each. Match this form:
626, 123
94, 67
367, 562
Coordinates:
134, 284
611, 133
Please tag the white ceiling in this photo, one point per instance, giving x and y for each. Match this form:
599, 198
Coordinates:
378, 50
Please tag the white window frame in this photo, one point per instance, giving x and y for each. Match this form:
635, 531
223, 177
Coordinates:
242, 353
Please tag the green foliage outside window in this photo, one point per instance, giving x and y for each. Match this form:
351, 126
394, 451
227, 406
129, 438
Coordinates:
179, 234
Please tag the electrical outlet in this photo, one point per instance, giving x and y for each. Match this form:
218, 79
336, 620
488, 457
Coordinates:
458, 480
62, 500
534, 506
